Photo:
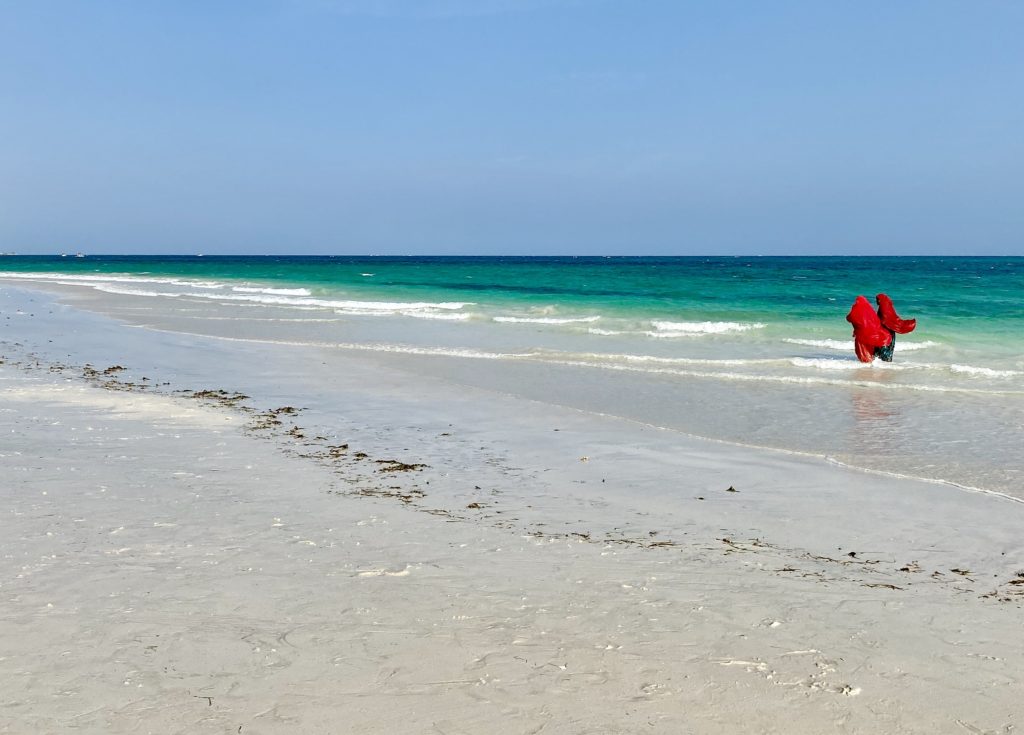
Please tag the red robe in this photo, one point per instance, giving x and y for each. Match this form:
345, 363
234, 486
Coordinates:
890, 319
868, 332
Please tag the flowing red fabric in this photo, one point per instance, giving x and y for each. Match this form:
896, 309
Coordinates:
890, 319
868, 332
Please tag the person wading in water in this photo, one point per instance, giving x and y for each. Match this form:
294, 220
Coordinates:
874, 332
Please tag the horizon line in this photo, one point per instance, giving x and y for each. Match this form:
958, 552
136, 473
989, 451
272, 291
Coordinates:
79, 255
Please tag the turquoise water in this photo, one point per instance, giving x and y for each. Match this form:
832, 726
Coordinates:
961, 296
751, 350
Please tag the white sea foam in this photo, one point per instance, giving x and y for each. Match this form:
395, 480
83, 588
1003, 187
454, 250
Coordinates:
357, 312
546, 320
829, 344
87, 279
832, 363
903, 346
658, 360
107, 288
984, 372
298, 298
704, 327
604, 332
672, 335
435, 351
301, 320
273, 291
380, 307
787, 379
847, 344
447, 317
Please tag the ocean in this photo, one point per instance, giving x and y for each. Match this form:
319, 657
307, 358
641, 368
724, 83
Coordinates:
748, 350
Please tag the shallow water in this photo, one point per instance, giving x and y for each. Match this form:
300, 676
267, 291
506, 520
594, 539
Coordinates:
753, 350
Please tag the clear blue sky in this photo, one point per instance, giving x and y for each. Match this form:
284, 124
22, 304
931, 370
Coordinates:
512, 126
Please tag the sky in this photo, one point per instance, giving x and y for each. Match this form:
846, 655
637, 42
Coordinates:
527, 127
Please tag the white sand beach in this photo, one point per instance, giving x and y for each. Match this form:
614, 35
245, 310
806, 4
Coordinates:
203, 535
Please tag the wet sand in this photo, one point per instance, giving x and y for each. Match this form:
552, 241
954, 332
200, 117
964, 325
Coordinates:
211, 536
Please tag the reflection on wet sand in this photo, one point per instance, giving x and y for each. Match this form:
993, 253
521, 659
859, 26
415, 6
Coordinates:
876, 421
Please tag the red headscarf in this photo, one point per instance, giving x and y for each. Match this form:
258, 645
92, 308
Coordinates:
889, 318
868, 332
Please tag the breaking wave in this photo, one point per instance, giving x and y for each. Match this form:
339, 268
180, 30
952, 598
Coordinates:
833, 363
847, 344
273, 291
984, 372
678, 328
545, 320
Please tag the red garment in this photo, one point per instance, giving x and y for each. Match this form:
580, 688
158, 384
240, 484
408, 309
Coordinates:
889, 318
868, 332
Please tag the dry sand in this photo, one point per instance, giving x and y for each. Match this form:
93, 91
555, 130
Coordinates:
180, 564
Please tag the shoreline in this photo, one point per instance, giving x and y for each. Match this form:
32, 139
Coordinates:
609, 557
857, 422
